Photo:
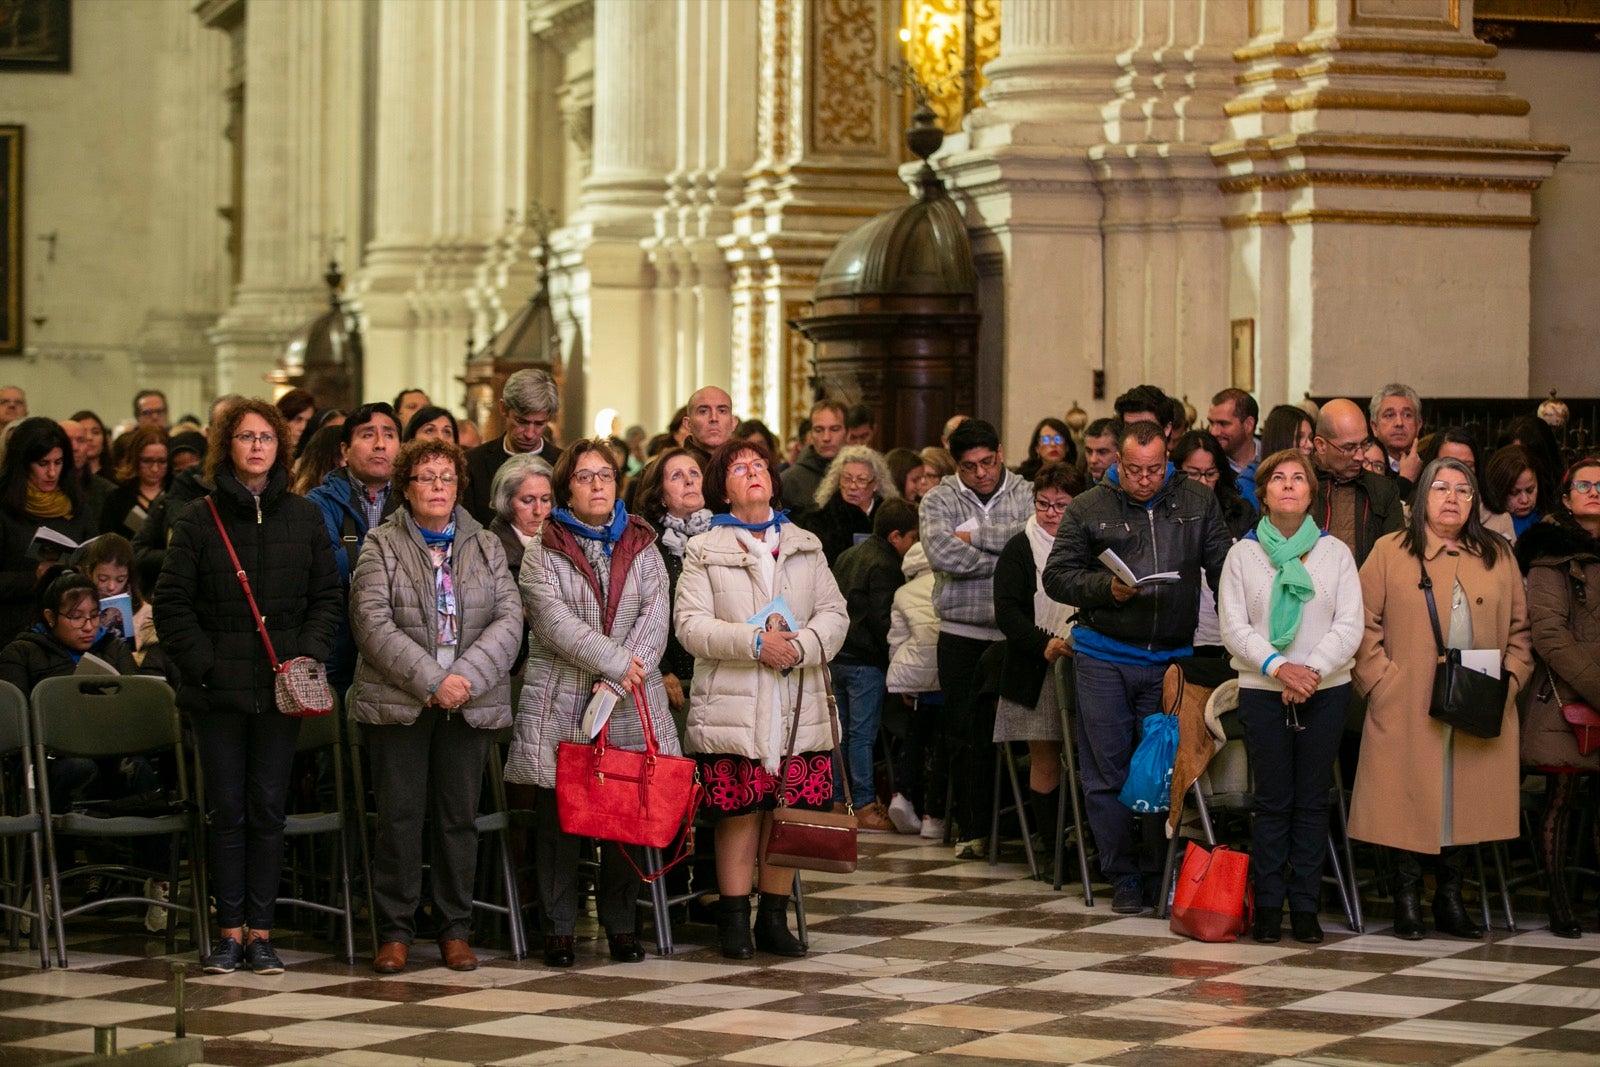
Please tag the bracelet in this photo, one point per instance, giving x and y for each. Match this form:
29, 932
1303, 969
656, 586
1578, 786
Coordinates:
758, 645
1266, 665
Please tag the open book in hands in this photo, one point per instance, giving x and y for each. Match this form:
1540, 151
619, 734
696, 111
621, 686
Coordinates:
1115, 565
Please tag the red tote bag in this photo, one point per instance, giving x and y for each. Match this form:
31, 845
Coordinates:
1212, 900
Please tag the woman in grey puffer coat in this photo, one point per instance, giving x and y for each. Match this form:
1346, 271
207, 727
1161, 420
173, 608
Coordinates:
437, 621
595, 592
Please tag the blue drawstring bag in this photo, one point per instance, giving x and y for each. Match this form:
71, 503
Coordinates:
1149, 784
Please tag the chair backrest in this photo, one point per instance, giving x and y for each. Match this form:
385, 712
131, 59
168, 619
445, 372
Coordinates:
14, 732
320, 731
97, 715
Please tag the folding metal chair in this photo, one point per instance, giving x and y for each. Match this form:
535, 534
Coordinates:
97, 717
21, 824
324, 734
1005, 760
1071, 788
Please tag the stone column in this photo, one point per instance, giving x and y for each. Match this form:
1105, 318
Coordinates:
1379, 180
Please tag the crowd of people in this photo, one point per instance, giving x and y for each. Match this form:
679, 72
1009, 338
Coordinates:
730, 589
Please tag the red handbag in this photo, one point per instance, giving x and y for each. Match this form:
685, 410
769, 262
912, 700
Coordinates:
1212, 901
632, 798
1580, 716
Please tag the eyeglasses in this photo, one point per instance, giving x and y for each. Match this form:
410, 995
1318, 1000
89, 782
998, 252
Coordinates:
1050, 439
1209, 475
745, 470
152, 461
1586, 486
1049, 508
985, 465
79, 619
1460, 492
433, 479
856, 481
1350, 448
603, 476
1142, 474
250, 440
152, 411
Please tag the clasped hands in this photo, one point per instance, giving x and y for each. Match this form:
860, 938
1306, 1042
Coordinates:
1299, 682
453, 692
779, 649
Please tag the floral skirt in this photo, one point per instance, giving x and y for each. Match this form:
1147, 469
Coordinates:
739, 785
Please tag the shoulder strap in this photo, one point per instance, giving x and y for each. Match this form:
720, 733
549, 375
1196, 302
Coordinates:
1433, 610
833, 726
244, 583
350, 538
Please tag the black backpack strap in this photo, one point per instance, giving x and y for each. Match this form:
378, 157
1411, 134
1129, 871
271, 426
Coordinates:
350, 538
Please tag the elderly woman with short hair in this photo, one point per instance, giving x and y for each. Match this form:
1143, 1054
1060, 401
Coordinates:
854, 484
594, 590
521, 497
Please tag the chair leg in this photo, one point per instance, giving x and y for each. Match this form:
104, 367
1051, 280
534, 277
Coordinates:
1360, 924
1069, 756
1021, 803
658, 904
508, 873
994, 818
798, 894
1505, 891
1060, 845
1163, 903
344, 883
888, 756
1338, 880
1483, 887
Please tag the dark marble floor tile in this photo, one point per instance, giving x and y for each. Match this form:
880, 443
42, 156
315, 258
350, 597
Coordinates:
1400, 985
1170, 1056
454, 1045
875, 927
637, 1012
13, 1029
1583, 1041
1580, 977
901, 1036
1102, 1029
1400, 1053
1042, 1000
1168, 967
427, 1016
13, 1001
579, 984
1219, 991
30, 1057
1374, 962
397, 990
977, 973
250, 1053
696, 1044
1480, 1011
227, 1023
1316, 1022
1086, 940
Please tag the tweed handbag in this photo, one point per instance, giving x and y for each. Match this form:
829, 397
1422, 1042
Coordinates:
300, 685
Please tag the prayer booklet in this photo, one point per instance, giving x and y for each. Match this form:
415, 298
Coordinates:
1114, 563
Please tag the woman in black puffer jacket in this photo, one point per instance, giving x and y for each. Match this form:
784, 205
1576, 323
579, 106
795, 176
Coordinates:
226, 686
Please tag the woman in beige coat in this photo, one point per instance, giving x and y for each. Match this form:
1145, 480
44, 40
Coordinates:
752, 678
1423, 788
437, 621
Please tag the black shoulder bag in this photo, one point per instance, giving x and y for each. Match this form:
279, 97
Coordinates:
1466, 699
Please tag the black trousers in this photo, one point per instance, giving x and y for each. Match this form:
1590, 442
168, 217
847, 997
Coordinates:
616, 887
426, 775
1293, 773
969, 733
247, 758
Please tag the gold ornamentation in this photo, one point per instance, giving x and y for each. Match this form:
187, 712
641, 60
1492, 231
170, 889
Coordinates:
774, 102
1379, 218
1347, 99
1358, 180
1455, 49
1426, 20
1388, 146
848, 100
947, 43
1323, 67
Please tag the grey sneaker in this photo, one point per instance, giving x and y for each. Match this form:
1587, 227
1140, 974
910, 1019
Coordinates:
260, 958
225, 957
1129, 896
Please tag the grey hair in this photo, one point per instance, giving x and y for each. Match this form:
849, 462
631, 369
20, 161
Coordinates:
867, 457
531, 390
1394, 389
509, 478
1475, 537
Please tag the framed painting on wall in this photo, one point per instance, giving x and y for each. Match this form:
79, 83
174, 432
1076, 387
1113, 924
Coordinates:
10, 240
36, 35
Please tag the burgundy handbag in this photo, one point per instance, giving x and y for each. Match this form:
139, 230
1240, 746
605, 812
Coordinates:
812, 840
1580, 715
633, 798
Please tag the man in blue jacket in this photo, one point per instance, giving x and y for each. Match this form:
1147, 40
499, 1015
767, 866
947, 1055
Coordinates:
1156, 521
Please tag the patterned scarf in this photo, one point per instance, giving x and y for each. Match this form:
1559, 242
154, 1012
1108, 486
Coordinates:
675, 532
439, 547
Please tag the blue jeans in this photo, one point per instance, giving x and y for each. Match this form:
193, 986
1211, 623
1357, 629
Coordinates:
859, 690
1112, 699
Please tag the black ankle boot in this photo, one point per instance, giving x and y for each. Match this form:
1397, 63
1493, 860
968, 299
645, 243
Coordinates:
733, 928
772, 927
1555, 830
1408, 897
1044, 823
1449, 913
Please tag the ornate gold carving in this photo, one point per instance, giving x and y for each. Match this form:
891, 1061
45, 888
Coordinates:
947, 43
1334, 67
1388, 147
796, 352
774, 102
847, 99
1356, 180
1394, 14
1320, 45
1379, 218
1347, 99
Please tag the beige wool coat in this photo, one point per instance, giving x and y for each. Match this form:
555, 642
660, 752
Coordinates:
734, 708
1398, 797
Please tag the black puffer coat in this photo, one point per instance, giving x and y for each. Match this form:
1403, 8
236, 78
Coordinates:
35, 656
19, 572
200, 611
837, 524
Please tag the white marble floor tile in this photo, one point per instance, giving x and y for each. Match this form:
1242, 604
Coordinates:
822, 941
1477, 970
593, 1056
1020, 887
1380, 1004
358, 1057
887, 894
1540, 938
81, 961
1071, 903
306, 1006
855, 965
980, 870
523, 1001
482, 978
1177, 1012
290, 981
1042, 959
980, 934
86, 1011
931, 913
753, 1022
865, 874
1451, 1032
82, 1041
1245, 1039
972, 1017
1133, 926
670, 969
816, 1054
1531, 1057
1037, 1048
1243, 952
927, 850
1387, 944
711, 996
548, 1028
1321, 979
1106, 984
918, 990
1548, 996
72, 983
1590, 1023
324, 1034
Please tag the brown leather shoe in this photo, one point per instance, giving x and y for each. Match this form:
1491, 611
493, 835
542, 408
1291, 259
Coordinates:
391, 957
874, 819
457, 955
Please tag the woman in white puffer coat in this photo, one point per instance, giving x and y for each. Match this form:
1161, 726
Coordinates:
921, 761
752, 678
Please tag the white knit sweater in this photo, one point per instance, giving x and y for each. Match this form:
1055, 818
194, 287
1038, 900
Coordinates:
1330, 623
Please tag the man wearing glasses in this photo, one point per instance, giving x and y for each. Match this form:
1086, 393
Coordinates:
1157, 520
965, 521
1352, 504
150, 407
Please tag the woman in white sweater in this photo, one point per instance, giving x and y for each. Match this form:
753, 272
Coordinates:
1291, 614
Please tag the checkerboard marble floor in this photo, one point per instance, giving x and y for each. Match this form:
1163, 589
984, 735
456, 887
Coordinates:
916, 959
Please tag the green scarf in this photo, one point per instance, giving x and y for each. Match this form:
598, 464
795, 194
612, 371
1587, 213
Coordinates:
1291, 586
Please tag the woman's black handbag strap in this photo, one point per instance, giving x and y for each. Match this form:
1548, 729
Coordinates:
1433, 609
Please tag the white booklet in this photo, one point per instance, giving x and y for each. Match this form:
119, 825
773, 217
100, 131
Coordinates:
1114, 564
1482, 660
598, 711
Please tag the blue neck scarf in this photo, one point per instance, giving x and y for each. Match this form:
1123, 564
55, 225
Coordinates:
608, 535
443, 537
1526, 523
726, 519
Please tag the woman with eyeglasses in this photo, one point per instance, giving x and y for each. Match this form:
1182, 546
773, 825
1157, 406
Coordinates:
1290, 608
142, 476
1561, 558
752, 678
1036, 629
855, 483
226, 684
595, 593
1423, 788
1051, 443
1199, 455
437, 622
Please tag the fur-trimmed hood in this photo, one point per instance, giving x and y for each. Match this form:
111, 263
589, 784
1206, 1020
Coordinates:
1554, 541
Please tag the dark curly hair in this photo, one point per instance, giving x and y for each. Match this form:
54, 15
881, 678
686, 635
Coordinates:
219, 441
415, 453
716, 485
